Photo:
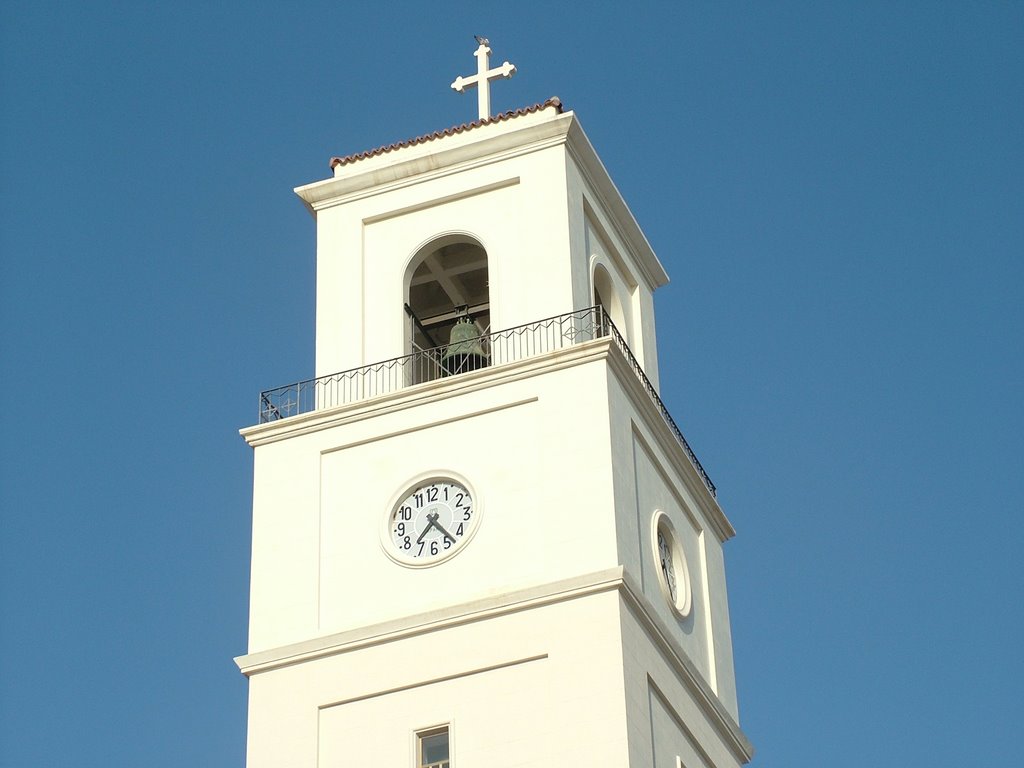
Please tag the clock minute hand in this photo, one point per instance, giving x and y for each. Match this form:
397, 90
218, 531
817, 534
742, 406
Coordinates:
442, 530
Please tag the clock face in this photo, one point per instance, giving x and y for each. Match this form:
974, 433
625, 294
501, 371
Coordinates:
431, 522
668, 570
673, 575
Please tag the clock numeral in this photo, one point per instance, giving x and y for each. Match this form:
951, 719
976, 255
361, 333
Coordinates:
406, 513
446, 493
420, 550
459, 530
433, 547
407, 542
447, 543
467, 514
432, 494
400, 529
419, 500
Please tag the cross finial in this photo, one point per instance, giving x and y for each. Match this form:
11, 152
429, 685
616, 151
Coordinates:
484, 75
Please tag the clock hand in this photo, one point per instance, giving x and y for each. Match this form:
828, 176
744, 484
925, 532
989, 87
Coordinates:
442, 530
431, 521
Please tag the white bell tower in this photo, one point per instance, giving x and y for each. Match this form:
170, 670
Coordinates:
479, 539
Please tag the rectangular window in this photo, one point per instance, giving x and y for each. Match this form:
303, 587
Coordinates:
432, 748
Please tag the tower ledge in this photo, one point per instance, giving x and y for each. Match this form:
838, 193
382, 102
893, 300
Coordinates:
616, 579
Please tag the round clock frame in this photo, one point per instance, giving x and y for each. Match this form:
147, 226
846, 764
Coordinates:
421, 527
670, 565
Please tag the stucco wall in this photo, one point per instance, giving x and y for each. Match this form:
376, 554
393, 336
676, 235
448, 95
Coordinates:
542, 685
648, 480
535, 449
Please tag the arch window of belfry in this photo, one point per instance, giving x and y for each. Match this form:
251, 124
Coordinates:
607, 297
448, 308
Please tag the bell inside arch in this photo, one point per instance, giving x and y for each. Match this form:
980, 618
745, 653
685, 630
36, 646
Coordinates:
465, 350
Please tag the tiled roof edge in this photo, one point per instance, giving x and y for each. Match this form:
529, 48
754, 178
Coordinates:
554, 101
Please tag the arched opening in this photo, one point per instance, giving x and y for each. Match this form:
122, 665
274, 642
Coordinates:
448, 306
607, 297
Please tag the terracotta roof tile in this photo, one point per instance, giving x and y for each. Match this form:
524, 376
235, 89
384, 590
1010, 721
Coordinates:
554, 101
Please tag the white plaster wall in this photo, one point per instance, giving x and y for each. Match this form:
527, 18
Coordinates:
647, 343
654, 492
595, 238
670, 738
646, 481
340, 297
582, 504
665, 720
542, 687
718, 600
319, 498
284, 565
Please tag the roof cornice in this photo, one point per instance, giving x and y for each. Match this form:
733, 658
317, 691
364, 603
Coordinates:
553, 102
436, 155
483, 142
597, 176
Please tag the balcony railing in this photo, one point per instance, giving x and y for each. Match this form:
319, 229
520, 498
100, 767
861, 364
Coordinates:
488, 350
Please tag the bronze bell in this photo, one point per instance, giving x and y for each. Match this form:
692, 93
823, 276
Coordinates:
464, 352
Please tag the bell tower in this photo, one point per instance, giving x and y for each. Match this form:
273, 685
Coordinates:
479, 537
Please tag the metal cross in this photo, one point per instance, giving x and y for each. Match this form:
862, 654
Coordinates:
482, 78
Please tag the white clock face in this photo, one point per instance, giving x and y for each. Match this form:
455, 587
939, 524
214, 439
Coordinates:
668, 570
673, 574
432, 522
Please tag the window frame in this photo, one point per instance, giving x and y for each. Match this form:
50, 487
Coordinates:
420, 734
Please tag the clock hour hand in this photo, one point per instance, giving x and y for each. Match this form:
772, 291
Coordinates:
430, 522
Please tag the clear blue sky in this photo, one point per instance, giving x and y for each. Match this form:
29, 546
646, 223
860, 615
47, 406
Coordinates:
837, 191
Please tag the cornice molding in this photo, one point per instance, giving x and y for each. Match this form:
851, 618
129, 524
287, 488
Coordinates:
611, 579
447, 155
430, 621
420, 394
600, 182
485, 145
485, 378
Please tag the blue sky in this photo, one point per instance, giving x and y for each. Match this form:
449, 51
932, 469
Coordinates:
836, 190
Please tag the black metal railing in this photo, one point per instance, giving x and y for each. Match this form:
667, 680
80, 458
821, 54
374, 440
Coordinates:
488, 350
635, 365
